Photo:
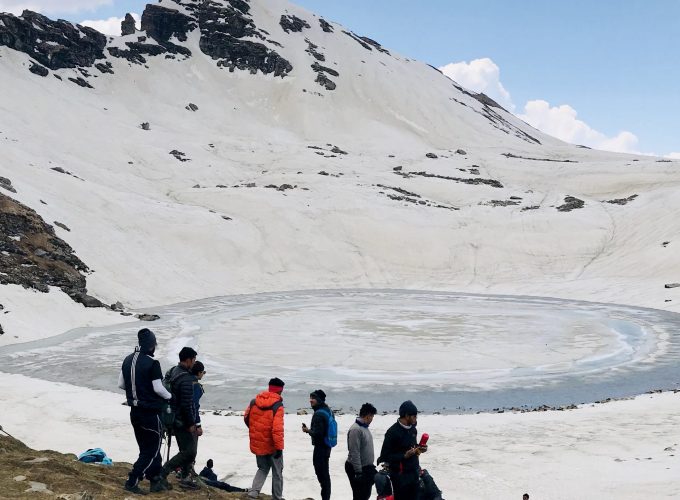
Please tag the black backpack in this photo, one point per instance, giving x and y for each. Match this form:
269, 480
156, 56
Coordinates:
169, 417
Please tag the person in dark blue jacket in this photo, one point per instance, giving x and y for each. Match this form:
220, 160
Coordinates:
141, 378
318, 431
198, 371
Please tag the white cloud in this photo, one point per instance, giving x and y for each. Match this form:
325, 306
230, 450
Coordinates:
674, 156
110, 26
483, 75
562, 122
480, 75
50, 6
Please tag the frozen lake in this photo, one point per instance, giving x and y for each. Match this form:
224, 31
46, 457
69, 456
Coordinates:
448, 352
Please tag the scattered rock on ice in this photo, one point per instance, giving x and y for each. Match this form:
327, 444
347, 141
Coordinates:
147, 317
671, 285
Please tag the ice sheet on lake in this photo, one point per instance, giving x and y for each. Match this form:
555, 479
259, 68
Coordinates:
452, 351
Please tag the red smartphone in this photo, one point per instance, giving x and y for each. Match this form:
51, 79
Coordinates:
423, 439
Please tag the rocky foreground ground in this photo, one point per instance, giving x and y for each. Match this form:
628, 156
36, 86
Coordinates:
28, 473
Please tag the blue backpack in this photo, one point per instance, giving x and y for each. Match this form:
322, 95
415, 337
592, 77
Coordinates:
95, 455
331, 437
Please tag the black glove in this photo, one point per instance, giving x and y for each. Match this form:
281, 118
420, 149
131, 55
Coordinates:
278, 454
358, 476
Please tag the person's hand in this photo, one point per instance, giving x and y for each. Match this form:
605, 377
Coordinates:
423, 448
305, 428
278, 454
358, 476
199, 431
413, 451
192, 429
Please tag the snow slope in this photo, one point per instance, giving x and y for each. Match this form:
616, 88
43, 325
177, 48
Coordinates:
152, 237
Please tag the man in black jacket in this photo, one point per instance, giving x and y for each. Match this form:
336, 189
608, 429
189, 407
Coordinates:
140, 377
400, 451
181, 382
318, 431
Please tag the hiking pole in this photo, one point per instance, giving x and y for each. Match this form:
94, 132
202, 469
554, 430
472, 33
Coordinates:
5, 432
169, 444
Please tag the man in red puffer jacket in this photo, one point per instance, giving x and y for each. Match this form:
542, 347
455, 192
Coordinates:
264, 418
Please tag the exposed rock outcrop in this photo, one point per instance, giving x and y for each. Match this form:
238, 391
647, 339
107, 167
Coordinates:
293, 24
31, 254
54, 44
325, 25
161, 23
571, 203
128, 25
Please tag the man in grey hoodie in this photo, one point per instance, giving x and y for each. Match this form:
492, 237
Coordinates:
359, 465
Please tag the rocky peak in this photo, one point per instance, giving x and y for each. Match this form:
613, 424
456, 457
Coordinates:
54, 44
128, 25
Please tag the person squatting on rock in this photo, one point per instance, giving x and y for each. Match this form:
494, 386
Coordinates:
264, 419
141, 378
318, 431
181, 381
359, 465
400, 451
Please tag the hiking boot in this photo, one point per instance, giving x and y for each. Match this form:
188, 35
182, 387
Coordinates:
189, 484
159, 484
133, 488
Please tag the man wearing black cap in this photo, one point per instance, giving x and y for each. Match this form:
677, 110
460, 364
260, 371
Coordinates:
181, 382
318, 431
140, 377
400, 451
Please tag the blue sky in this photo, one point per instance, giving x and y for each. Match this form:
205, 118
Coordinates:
605, 73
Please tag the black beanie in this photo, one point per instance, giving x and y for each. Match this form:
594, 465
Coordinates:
147, 340
319, 395
187, 353
210, 463
407, 408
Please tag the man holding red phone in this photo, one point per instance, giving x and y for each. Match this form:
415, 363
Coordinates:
401, 450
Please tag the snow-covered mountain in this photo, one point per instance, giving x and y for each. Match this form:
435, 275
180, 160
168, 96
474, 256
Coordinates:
233, 146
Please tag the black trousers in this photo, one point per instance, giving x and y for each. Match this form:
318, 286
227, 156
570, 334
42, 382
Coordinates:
405, 487
322, 455
361, 488
148, 433
187, 444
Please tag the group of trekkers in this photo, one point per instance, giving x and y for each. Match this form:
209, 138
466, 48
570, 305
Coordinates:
170, 403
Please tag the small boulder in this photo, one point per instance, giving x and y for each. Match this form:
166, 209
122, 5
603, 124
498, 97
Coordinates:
39, 70
147, 317
672, 285
432, 155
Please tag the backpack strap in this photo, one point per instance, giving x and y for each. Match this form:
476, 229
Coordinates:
274, 408
246, 418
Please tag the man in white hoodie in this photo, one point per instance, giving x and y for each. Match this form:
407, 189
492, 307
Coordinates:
359, 465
